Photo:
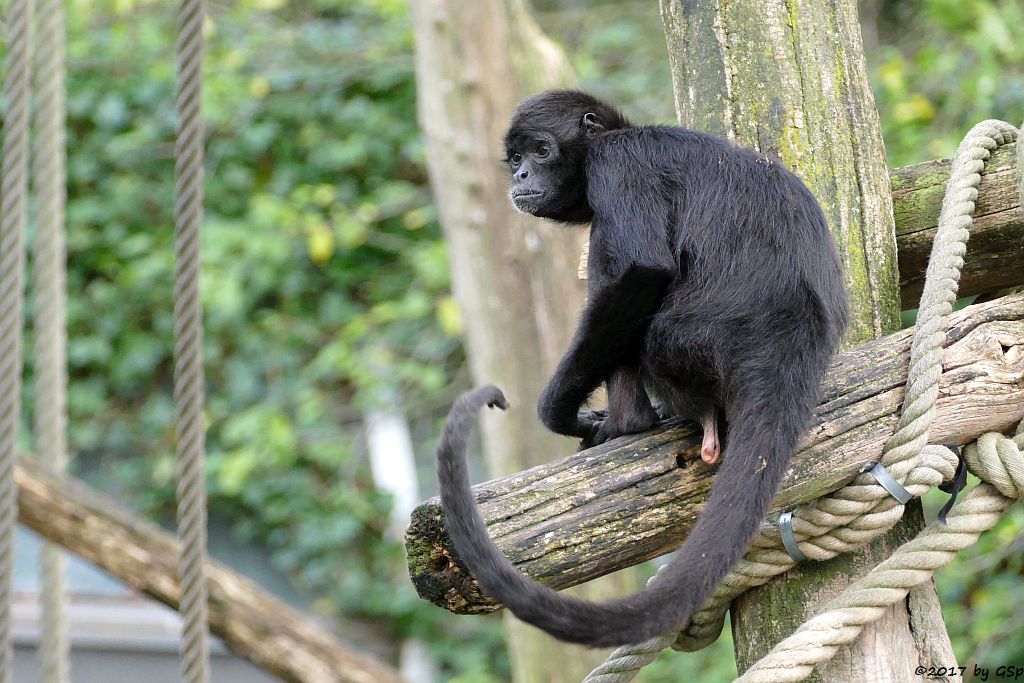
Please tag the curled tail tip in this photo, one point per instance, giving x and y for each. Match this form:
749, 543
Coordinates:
489, 395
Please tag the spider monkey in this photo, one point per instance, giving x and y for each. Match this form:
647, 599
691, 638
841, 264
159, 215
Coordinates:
714, 282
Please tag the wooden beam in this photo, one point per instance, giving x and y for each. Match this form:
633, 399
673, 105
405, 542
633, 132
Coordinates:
635, 498
250, 621
996, 249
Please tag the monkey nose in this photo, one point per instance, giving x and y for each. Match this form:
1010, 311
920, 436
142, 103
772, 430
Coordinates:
523, 174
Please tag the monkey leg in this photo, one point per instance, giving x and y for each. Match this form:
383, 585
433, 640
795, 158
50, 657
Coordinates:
629, 409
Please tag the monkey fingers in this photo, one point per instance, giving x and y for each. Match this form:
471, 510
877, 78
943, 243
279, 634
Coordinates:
592, 416
664, 413
597, 436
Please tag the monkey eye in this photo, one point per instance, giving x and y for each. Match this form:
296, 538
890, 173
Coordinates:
515, 158
543, 151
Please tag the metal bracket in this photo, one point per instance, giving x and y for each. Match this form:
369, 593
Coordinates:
885, 480
788, 539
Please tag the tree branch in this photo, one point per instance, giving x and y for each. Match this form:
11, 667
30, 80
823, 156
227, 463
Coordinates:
254, 624
635, 498
996, 248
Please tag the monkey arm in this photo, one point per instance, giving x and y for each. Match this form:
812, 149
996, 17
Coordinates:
613, 323
622, 300
631, 267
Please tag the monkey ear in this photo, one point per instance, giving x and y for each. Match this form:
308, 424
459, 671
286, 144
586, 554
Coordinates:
591, 124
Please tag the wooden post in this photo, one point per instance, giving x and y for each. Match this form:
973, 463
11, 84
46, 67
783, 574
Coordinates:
788, 77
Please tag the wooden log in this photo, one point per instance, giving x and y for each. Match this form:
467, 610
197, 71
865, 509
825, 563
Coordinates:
635, 498
251, 622
996, 249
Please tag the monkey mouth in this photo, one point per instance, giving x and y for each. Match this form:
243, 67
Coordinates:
525, 201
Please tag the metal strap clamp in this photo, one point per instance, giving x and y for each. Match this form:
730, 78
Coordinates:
885, 480
788, 539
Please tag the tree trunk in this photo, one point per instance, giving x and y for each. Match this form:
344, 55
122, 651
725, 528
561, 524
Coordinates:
788, 77
514, 276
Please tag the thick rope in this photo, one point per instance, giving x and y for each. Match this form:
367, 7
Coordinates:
188, 344
862, 510
13, 217
995, 458
760, 565
49, 295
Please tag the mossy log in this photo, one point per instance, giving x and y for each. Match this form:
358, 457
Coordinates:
635, 498
250, 621
995, 253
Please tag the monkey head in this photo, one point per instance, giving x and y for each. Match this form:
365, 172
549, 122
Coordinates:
546, 150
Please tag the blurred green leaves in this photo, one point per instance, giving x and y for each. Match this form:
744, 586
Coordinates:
326, 281
942, 66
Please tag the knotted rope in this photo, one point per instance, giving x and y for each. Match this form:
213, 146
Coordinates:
188, 344
13, 216
49, 296
863, 510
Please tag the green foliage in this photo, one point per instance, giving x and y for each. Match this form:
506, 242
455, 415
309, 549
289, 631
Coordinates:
326, 283
618, 51
942, 66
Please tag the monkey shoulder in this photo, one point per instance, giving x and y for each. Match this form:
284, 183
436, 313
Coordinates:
624, 143
653, 154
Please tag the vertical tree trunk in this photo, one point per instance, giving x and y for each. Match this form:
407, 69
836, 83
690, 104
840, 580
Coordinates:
514, 276
788, 77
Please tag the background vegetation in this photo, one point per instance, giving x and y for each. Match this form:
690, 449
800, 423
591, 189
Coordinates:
327, 285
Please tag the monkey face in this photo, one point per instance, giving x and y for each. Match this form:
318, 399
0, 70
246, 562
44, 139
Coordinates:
548, 179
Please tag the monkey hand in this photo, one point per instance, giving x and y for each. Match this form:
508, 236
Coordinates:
664, 413
591, 425
599, 433
604, 430
588, 418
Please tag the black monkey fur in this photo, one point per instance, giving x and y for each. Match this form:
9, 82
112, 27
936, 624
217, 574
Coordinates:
714, 281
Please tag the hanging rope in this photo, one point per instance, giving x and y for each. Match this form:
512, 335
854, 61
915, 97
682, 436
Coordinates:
863, 510
188, 345
13, 216
49, 296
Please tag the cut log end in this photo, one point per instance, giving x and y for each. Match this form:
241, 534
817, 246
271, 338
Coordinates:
435, 569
